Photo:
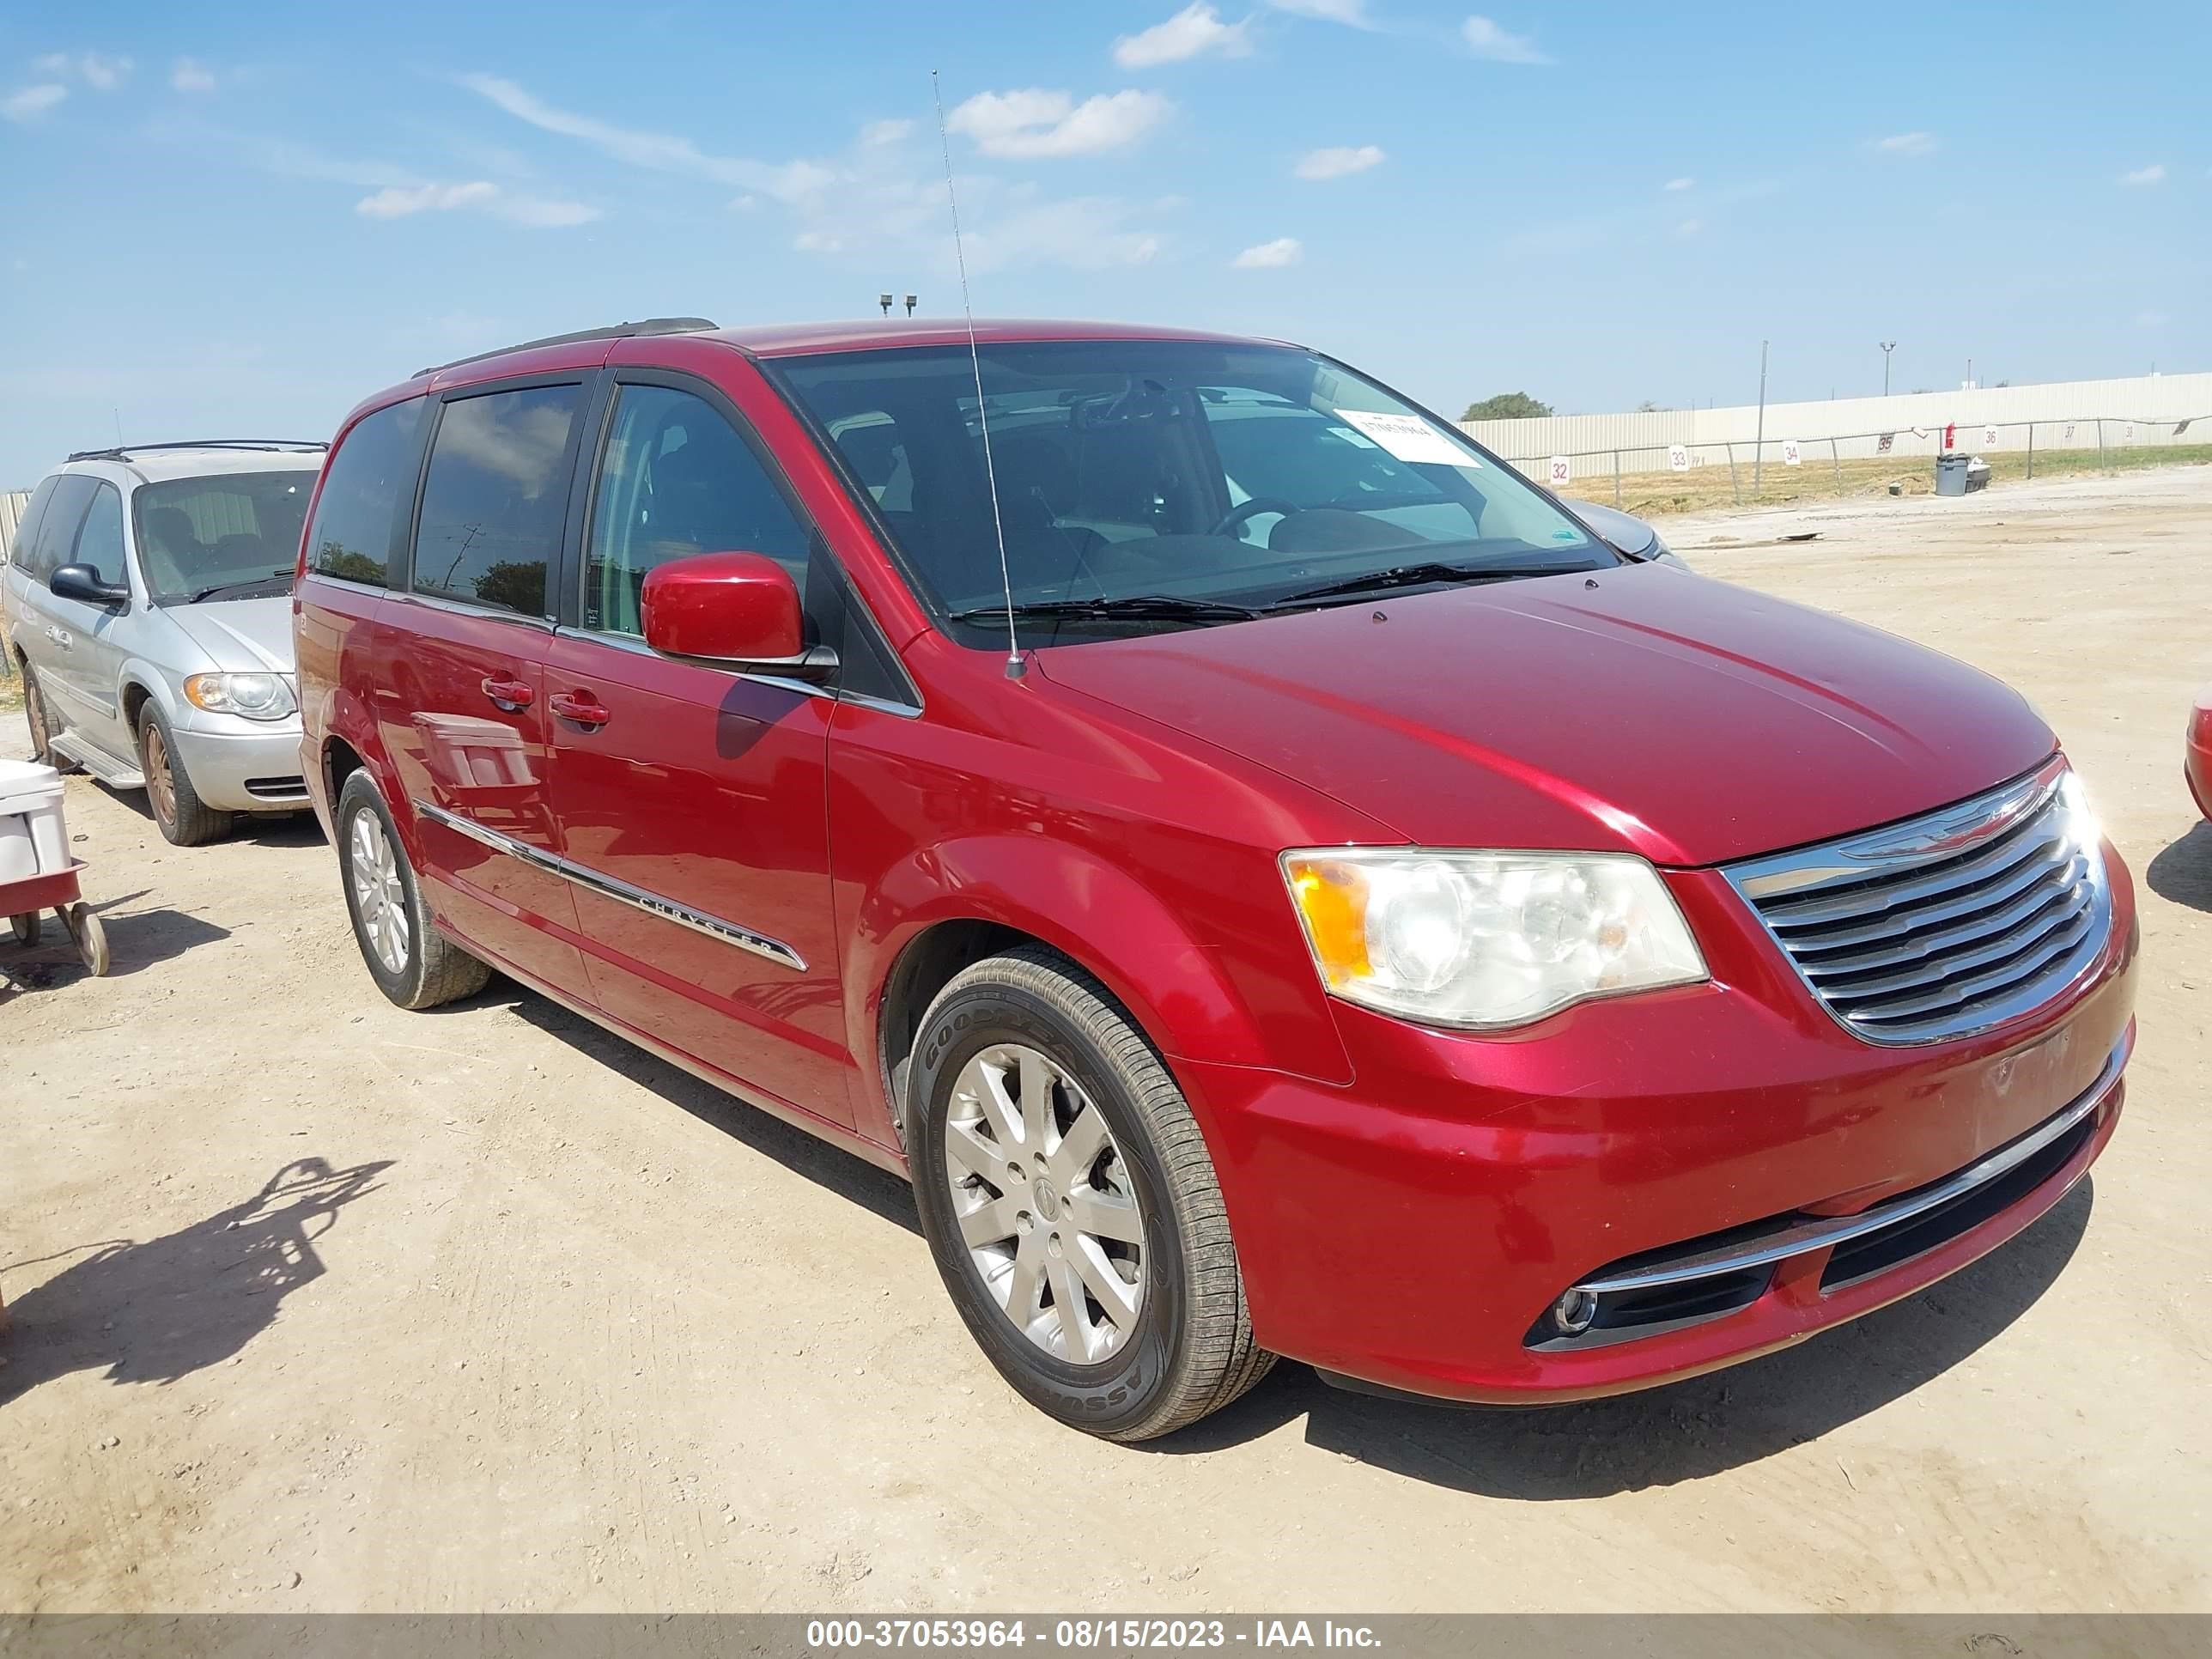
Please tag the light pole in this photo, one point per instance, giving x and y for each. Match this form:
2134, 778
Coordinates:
1888, 346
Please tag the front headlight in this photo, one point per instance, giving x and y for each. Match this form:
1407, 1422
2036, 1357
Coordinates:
1486, 941
256, 697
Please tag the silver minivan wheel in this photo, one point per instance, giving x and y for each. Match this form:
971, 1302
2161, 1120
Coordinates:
380, 900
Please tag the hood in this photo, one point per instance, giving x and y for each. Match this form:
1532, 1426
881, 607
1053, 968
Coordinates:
241, 635
1638, 709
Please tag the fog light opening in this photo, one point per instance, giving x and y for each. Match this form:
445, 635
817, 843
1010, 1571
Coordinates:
1574, 1313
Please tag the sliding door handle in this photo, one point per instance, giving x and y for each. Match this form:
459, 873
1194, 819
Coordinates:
578, 707
509, 694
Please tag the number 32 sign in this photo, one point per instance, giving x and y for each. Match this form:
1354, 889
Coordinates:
1558, 472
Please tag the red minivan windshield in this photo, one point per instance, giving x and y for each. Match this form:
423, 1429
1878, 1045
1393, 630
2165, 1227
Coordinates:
1155, 483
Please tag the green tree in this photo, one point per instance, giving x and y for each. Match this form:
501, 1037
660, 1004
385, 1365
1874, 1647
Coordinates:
1506, 406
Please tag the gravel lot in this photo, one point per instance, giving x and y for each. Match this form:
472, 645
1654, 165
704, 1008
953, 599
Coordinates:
323, 1305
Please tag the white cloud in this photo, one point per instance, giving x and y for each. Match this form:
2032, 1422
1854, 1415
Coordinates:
1485, 39
2151, 320
189, 75
1689, 227
662, 152
100, 73
1679, 184
1339, 161
1352, 14
479, 195
1270, 256
1032, 124
1907, 143
105, 74
877, 133
2153, 175
33, 101
1192, 32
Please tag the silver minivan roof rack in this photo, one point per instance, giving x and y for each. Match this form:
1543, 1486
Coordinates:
125, 451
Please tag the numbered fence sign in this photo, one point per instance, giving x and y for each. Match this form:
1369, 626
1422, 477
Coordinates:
1678, 457
1988, 437
1789, 454
1882, 447
1558, 472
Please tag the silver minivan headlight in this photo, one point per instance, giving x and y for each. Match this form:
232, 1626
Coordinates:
1486, 941
255, 697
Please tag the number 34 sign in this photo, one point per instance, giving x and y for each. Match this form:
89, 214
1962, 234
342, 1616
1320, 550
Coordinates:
1790, 456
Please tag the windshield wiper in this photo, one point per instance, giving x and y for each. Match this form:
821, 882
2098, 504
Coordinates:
232, 587
1409, 576
1135, 607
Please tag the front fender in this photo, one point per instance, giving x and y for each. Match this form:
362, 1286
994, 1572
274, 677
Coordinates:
1100, 916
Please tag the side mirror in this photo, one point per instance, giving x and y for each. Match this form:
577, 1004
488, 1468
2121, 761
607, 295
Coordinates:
82, 582
738, 610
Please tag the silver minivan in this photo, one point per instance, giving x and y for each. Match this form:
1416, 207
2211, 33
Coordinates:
149, 611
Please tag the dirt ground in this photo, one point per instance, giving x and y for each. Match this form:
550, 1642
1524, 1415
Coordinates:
323, 1305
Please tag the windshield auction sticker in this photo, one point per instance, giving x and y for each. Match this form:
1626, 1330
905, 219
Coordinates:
1409, 438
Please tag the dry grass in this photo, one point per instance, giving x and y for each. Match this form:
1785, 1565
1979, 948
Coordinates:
1656, 495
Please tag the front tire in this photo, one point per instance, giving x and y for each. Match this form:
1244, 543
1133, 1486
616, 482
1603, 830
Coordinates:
182, 818
1071, 1205
412, 962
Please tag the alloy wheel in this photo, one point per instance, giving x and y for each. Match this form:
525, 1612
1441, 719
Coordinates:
1044, 1202
379, 899
161, 779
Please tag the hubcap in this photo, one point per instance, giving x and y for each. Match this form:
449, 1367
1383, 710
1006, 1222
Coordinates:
161, 784
1045, 1203
379, 898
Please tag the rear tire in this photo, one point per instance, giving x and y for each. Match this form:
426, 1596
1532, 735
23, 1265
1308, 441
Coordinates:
34, 713
412, 962
182, 818
1172, 1338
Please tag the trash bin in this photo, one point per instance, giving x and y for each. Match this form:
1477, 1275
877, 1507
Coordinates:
1951, 475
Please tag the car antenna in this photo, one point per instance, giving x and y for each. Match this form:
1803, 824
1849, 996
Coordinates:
1015, 667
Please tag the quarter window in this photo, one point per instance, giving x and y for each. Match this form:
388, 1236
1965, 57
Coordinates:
495, 497
364, 485
27, 527
676, 480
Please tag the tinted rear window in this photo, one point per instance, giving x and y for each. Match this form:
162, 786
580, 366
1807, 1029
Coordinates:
365, 487
56, 537
495, 497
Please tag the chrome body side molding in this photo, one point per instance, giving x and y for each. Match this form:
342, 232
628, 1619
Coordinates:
653, 904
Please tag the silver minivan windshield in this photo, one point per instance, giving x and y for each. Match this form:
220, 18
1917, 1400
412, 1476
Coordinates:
219, 535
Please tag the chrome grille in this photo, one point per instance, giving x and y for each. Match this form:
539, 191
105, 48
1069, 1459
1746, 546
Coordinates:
1946, 924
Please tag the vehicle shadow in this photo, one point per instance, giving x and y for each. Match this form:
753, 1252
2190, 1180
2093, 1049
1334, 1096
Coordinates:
2182, 873
139, 940
159, 1310
297, 829
1686, 1431
841, 1172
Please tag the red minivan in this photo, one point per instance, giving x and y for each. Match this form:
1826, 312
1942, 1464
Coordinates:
1274, 880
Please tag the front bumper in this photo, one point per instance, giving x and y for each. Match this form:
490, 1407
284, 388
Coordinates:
1414, 1229
246, 771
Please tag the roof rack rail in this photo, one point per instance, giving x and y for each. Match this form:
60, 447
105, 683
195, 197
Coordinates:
617, 331
123, 452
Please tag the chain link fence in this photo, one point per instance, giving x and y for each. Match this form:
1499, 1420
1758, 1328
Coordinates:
1681, 477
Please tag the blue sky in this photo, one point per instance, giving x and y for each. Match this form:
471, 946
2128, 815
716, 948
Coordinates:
240, 219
